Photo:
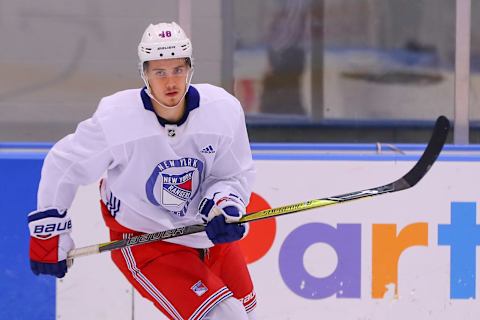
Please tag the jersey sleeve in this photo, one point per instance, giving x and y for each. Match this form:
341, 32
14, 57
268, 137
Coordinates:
233, 171
78, 159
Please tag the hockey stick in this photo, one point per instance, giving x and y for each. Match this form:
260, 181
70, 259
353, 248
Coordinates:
411, 178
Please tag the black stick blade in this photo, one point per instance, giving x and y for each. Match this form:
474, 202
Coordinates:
429, 156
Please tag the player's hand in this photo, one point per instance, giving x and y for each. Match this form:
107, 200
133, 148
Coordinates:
220, 218
50, 241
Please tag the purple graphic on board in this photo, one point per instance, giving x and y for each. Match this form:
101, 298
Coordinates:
344, 281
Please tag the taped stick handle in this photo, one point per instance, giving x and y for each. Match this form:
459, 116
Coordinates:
85, 251
80, 252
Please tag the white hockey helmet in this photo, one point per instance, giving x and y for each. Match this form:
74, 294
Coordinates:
164, 41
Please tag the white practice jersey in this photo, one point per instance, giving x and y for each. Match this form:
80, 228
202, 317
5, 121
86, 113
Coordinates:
156, 172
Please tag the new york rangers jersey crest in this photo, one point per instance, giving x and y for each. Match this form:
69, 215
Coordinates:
176, 188
174, 183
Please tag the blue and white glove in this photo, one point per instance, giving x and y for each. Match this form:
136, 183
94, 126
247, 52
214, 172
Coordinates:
50, 241
221, 217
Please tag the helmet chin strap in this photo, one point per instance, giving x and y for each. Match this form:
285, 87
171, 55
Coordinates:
150, 93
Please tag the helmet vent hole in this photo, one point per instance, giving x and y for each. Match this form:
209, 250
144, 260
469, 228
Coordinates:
173, 53
161, 54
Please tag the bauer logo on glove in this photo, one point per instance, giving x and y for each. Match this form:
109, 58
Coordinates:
46, 231
48, 223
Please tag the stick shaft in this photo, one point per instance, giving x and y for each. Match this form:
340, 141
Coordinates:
410, 179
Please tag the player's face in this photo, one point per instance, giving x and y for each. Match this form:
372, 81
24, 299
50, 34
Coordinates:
168, 79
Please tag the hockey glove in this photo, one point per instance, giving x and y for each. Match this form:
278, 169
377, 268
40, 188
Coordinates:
50, 242
220, 218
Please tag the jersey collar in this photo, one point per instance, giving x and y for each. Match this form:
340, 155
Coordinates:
192, 99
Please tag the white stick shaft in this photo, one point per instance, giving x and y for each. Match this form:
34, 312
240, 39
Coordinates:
85, 251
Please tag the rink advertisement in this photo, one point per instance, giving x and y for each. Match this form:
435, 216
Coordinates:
408, 254
411, 254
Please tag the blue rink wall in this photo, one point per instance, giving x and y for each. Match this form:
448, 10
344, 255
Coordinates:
22, 295
25, 296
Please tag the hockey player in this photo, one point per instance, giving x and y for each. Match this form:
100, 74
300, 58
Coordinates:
172, 152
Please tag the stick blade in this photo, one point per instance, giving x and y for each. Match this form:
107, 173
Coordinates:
429, 156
